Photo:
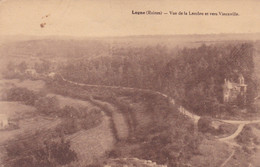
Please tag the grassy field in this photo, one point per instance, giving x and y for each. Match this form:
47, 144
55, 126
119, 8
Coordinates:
63, 101
27, 122
92, 145
36, 85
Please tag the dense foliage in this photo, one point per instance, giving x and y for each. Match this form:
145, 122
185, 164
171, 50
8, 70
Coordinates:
38, 150
193, 76
21, 94
75, 119
167, 138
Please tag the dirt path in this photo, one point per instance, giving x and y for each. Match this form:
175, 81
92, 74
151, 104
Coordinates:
240, 122
226, 161
122, 127
235, 134
194, 117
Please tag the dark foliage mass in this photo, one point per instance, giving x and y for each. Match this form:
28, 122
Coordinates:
170, 138
21, 94
247, 137
192, 76
38, 150
47, 105
205, 125
76, 119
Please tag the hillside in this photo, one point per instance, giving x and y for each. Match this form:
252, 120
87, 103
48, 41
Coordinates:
135, 100
69, 47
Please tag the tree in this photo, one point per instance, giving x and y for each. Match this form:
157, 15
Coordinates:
47, 105
22, 67
21, 94
205, 125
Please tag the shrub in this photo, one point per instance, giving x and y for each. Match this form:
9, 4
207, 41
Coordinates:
77, 119
204, 125
226, 129
68, 126
35, 151
246, 136
21, 94
67, 111
47, 105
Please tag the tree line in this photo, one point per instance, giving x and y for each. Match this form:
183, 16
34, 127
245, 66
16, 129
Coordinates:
193, 76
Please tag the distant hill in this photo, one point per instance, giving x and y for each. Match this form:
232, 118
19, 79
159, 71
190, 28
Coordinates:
78, 47
50, 48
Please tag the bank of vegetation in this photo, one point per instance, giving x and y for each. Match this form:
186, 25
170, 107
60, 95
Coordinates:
48, 148
192, 76
157, 131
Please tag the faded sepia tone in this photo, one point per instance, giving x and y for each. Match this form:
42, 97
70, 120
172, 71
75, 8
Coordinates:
117, 83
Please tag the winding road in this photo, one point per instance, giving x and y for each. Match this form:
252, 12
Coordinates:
181, 109
184, 111
195, 118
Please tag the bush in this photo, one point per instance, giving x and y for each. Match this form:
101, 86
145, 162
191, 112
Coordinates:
47, 105
34, 151
247, 136
205, 125
226, 129
77, 119
68, 126
21, 94
67, 112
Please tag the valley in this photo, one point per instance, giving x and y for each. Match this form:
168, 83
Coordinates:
131, 104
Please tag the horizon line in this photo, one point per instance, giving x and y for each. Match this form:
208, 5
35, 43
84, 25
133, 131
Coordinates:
122, 36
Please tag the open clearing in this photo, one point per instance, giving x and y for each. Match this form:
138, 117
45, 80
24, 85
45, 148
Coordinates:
26, 118
36, 85
90, 145
67, 101
27, 121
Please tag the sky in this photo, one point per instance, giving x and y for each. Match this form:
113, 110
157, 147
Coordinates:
115, 18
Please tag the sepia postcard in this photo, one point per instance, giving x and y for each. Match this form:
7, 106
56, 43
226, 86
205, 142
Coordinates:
140, 83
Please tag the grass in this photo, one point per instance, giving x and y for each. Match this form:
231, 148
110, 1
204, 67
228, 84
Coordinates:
212, 154
239, 159
15, 110
92, 145
36, 85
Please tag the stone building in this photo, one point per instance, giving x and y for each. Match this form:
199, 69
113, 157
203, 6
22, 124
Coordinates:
233, 90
